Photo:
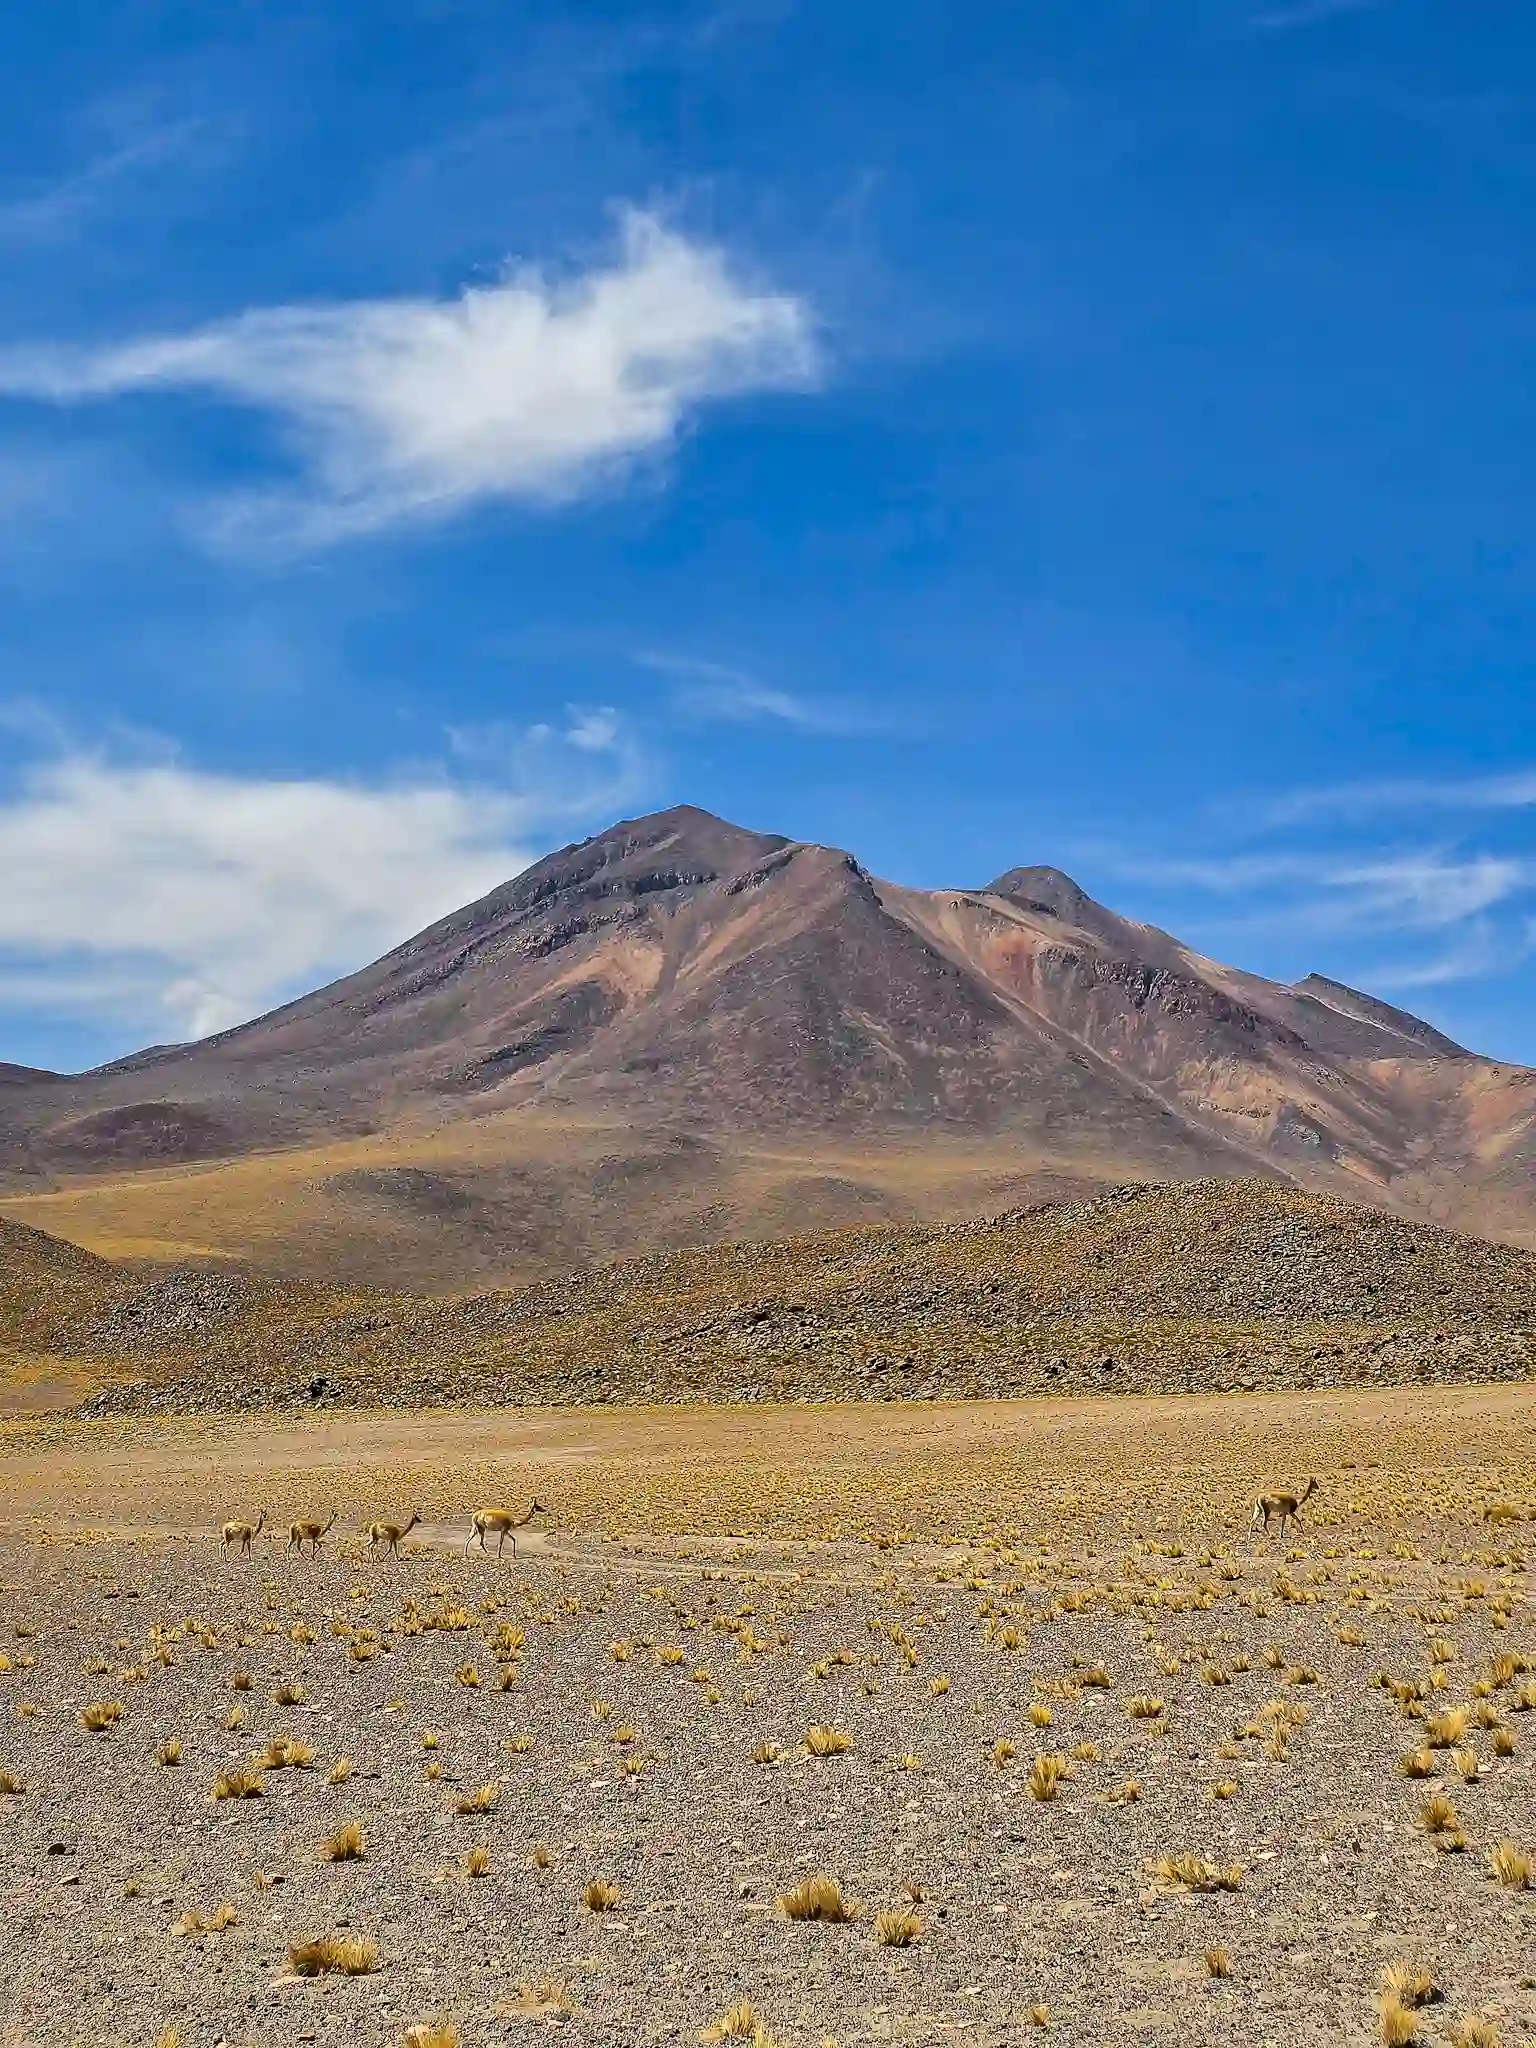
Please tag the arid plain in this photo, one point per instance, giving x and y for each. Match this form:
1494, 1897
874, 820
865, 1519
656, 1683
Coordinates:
1081, 1753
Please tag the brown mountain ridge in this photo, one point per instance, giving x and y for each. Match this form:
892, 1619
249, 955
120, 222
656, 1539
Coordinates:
681, 1030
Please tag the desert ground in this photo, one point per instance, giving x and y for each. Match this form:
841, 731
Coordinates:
1079, 1753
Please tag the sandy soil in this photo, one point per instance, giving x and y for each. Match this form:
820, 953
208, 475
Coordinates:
959, 1591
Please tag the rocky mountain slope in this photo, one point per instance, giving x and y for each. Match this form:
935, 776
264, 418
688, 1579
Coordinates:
681, 1030
1191, 1285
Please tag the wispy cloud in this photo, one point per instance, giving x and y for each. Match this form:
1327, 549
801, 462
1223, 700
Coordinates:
177, 901
535, 390
1511, 789
1396, 917
1483, 949
1418, 890
46, 213
1308, 14
713, 690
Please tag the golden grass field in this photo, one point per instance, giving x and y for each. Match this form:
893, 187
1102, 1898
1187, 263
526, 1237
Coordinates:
875, 1724
563, 1190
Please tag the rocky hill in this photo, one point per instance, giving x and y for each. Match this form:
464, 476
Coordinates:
1203, 1285
681, 1031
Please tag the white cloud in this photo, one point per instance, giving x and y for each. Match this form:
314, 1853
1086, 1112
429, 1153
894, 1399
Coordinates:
534, 389
712, 690
178, 902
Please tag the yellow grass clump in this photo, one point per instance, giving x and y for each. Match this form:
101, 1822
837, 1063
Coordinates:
817, 1898
334, 1955
348, 1845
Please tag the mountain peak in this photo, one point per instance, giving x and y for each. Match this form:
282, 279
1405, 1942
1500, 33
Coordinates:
1366, 1009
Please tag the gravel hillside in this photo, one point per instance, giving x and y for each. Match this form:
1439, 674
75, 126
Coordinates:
1204, 1285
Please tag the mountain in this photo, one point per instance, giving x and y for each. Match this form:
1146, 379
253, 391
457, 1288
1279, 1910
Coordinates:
681, 1030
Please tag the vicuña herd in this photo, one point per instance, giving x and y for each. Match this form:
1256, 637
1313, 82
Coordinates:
498, 1522
502, 1523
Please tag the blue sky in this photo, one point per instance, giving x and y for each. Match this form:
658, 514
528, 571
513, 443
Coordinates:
1092, 434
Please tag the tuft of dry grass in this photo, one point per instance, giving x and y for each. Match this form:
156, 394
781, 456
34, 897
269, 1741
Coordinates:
101, 1715
1474, 2032
283, 1753
348, 1845
739, 2022
239, 1785
822, 1739
898, 1928
334, 1955
1217, 1963
1418, 1763
477, 1862
600, 1896
1145, 1707
1511, 1866
340, 1771
542, 1998
215, 1922
1046, 1775
1411, 1984
1192, 1873
817, 1898
1444, 1731
10, 1785
1398, 2024
484, 1799
169, 1752
438, 2033
1438, 1815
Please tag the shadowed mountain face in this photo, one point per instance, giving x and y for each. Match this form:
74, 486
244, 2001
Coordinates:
679, 975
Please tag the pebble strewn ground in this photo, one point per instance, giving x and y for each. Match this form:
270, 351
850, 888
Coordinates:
642, 1709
